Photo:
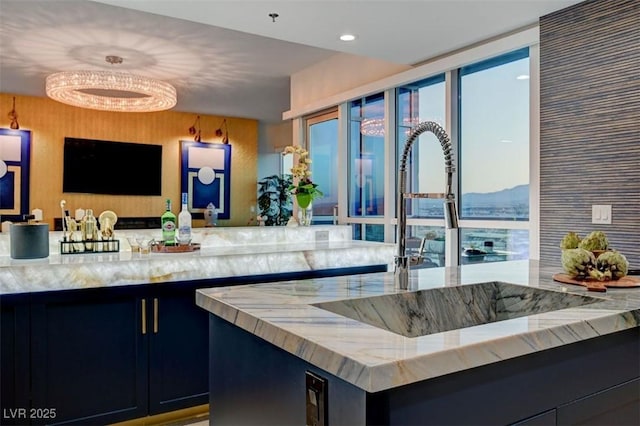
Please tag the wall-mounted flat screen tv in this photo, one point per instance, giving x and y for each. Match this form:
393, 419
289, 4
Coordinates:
115, 168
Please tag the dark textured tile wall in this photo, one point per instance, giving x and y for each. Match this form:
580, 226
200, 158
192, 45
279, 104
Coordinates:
590, 123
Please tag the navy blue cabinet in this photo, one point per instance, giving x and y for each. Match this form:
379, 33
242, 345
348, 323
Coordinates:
179, 349
618, 405
89, 356
100, 356
14, 357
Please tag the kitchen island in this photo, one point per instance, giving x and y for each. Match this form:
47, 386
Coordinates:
324, 350
96, 338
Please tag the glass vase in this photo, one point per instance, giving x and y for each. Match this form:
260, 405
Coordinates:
305, 215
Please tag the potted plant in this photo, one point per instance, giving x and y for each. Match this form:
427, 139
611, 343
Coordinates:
302, 187
274, 199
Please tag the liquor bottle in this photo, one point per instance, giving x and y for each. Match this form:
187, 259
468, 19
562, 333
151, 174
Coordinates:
184, 222
210, 215
168, 223
90, 229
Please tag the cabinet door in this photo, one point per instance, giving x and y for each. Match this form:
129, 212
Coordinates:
178, 351
547, 418
619, 405
14, 358
89, 356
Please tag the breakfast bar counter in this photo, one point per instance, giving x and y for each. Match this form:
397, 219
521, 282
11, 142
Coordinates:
382, 364
223, 253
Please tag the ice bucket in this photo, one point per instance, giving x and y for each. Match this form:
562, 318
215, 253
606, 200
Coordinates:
29, 240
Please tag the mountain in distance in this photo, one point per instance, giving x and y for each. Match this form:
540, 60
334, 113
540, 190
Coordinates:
506, 197
518, 195
509, 202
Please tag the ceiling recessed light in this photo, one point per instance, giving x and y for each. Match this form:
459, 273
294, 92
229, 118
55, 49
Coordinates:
347, 37
522, 77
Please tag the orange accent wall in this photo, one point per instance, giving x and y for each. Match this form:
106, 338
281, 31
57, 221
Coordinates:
50, 122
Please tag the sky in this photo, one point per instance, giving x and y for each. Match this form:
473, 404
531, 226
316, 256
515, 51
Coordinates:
495, 133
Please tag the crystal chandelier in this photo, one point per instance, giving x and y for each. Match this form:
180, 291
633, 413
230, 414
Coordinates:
111, 91
372, 127
375, 126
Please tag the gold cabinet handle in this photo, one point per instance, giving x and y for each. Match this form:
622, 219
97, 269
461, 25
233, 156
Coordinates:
155, 315
144, 316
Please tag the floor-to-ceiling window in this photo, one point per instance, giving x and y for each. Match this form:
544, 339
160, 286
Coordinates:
322, 142
494, 158
484, 106
416, 103
366, 165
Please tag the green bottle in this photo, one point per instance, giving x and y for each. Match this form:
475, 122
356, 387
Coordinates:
168, 223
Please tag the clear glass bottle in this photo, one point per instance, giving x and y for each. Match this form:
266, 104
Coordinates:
184, 222
210, 215
90, 229
214, 216
168, 223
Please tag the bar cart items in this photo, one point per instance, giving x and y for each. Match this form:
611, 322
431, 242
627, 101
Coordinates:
89, 235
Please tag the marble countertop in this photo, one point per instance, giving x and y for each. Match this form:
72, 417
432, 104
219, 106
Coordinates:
375, 359
225, 252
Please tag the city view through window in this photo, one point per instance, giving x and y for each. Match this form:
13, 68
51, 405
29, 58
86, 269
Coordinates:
492, 152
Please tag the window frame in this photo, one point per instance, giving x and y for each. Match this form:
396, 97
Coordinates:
326, 115
449, 64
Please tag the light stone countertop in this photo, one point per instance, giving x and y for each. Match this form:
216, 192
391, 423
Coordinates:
375, 359
225, 252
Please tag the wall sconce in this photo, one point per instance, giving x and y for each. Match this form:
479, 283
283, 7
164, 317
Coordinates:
225, 139
13, 116
195, 130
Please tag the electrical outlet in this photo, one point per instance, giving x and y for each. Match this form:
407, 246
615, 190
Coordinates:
601, 214
316, 394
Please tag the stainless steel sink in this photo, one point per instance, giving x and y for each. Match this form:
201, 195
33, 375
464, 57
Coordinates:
419, 313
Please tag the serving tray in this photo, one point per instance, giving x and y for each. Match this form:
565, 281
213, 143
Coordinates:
601, 286
161, 248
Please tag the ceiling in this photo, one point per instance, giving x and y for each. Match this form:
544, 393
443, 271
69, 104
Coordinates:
228, 57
